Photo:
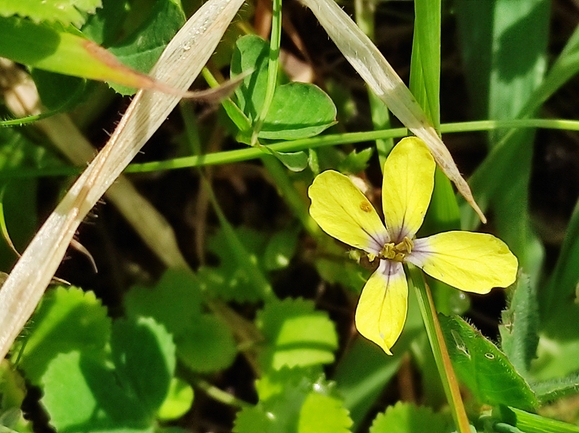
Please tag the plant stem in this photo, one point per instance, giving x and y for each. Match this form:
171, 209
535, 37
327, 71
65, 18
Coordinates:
246, 154
439, 349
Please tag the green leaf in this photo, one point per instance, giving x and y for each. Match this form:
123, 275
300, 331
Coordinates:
100, 405
280, 249
520, 325
558, 309
206, 345
296, 335
533, 423
504, 45
295, 161
408, 418
68, 319
356, 162
64, 11
174, 301
483, 368
555, 389
298, 110
105, 26
143, 48
178, 402
425, 61
124, 397
45, 47
144, 356
12, 394
232, 280
294, 401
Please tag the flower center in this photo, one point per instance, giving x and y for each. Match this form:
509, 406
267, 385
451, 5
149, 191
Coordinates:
397, 252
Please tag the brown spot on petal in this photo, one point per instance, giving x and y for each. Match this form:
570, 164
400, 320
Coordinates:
366, 207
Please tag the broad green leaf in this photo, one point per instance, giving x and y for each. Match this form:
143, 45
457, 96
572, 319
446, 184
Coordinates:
68, 319
100, 404
483, 368
295, 335
106, 25
206, 345
64, 11
144, 356
143, 48
174, 301
293, 401
51, 49
178, 402
520, 325
298, 110
122, 397
408, 418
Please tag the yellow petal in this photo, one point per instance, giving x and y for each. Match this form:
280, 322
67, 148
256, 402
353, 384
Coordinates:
407, 187
382, 307
342, 211
474, 262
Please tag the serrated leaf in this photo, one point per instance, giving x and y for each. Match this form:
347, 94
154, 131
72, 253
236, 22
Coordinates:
178, 401
520, 325
144, 356
206, 345
174, 301
105, 26
323, 413
483, 368
144, 47
408, 418
68, 319
355, 162
64, 11
294, 401
297, 110
554, 389
296, 335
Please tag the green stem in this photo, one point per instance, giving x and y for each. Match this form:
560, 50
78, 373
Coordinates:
439, 349
245, 154
272, 68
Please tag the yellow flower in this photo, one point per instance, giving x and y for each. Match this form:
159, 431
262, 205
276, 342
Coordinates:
473, 262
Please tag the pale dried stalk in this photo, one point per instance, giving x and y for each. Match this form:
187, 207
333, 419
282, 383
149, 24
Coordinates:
381, 78
22, 99
178, 66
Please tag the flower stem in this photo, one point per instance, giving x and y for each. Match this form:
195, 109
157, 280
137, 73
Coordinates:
439, 349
